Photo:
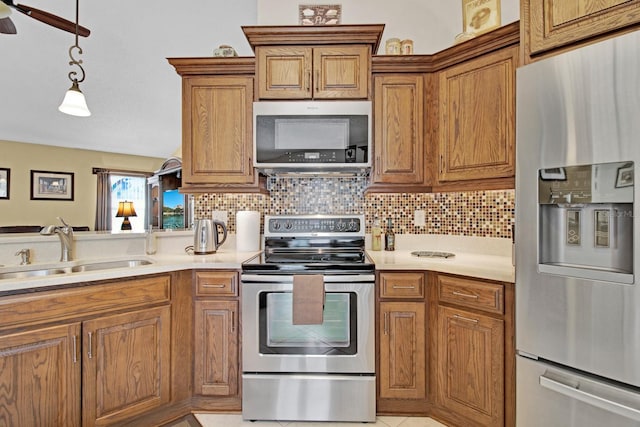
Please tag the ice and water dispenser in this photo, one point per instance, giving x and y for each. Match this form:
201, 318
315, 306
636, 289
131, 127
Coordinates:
586, 221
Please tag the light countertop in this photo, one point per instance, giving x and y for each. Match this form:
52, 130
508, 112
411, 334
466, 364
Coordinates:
487, 258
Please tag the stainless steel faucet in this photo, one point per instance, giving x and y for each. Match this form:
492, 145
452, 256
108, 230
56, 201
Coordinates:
25, 256
65, 233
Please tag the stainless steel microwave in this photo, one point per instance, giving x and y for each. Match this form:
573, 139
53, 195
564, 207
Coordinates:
312, 136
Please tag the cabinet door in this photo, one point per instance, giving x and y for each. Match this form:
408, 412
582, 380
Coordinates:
216, 367
40, 377
217, 130
284, 72
556, 23
341, 72
477, 118
126, 361
402, 350
399, 135
470, 365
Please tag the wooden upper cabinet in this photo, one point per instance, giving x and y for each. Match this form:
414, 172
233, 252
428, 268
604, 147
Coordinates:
217, 130
552, 24
324, 72
399, 115
477, 118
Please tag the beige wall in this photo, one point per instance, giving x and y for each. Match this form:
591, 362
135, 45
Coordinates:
21, 158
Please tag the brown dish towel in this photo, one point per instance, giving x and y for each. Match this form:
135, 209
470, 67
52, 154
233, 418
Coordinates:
308, 299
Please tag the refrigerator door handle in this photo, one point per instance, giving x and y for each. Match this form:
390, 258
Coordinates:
591, 397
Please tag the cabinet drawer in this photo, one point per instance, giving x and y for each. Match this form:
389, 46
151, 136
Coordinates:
487, 296
220, 283
401, 285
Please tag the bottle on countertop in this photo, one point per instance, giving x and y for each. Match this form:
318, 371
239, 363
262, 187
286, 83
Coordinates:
389, 237
376, 235
150, 244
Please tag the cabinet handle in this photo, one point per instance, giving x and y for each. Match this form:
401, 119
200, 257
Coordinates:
441, 163
206, 285
75, 349
460, 294
457, 316
317, 80
308, 85
403, 287
378, 165
386, 323
89, 353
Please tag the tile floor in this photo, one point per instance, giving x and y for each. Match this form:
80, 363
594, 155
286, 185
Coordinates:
235, 420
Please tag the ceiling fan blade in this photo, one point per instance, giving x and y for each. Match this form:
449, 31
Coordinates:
53, 20
7, 27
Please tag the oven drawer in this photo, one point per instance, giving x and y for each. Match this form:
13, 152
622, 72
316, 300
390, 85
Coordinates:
478, 294
402, 285
218, 283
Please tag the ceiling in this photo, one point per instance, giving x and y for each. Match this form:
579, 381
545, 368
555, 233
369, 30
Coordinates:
133, 93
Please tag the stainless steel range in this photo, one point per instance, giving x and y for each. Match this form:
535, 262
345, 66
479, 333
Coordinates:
324, 371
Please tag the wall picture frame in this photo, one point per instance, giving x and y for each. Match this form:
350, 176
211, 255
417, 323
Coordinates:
48, 185
480, 16
624, 177
319, 14
5, 183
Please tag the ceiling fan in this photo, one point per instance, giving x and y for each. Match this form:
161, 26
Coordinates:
7, 27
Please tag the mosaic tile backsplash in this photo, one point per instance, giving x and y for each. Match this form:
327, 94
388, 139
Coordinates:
473, 213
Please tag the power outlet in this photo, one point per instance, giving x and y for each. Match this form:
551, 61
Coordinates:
419, 219
220, 216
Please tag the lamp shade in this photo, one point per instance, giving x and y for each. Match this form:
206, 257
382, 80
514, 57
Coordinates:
74, 102
125, 209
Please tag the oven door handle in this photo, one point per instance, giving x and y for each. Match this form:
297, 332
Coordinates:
282, 278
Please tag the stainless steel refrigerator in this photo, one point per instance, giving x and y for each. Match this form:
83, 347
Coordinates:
577, 255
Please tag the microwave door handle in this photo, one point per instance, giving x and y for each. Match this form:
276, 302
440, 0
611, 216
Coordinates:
590, 397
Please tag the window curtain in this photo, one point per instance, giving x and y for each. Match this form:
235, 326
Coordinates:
103, 201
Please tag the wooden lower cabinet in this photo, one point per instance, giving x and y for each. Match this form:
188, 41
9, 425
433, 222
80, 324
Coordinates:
40, 377
470, 367
216, 367
216, 348
126, 365
402, 350
403, 342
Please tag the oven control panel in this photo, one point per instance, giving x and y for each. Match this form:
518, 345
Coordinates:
311, 224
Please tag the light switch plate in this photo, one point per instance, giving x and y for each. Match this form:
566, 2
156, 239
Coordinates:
220, 216
419, 219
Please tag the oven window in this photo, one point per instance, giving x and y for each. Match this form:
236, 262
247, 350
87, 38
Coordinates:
336, 334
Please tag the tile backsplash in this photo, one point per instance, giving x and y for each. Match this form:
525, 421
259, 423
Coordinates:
471, 213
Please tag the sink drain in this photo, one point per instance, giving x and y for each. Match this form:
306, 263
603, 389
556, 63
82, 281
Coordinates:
433, 254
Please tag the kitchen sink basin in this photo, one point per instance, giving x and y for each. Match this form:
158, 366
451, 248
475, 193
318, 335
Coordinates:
33, 273
78, 268
107, 265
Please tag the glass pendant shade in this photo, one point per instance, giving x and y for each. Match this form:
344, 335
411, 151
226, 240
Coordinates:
74, 102
4, 11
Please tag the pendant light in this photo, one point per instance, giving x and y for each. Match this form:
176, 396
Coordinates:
74, 102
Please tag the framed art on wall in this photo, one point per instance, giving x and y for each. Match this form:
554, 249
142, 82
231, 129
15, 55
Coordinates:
5, 181
480, 16
46, 185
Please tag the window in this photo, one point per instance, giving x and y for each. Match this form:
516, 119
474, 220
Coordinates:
132, 189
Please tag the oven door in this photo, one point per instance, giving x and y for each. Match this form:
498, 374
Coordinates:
343, 343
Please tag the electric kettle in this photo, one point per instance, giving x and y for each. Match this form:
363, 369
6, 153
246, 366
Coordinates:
206, 237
